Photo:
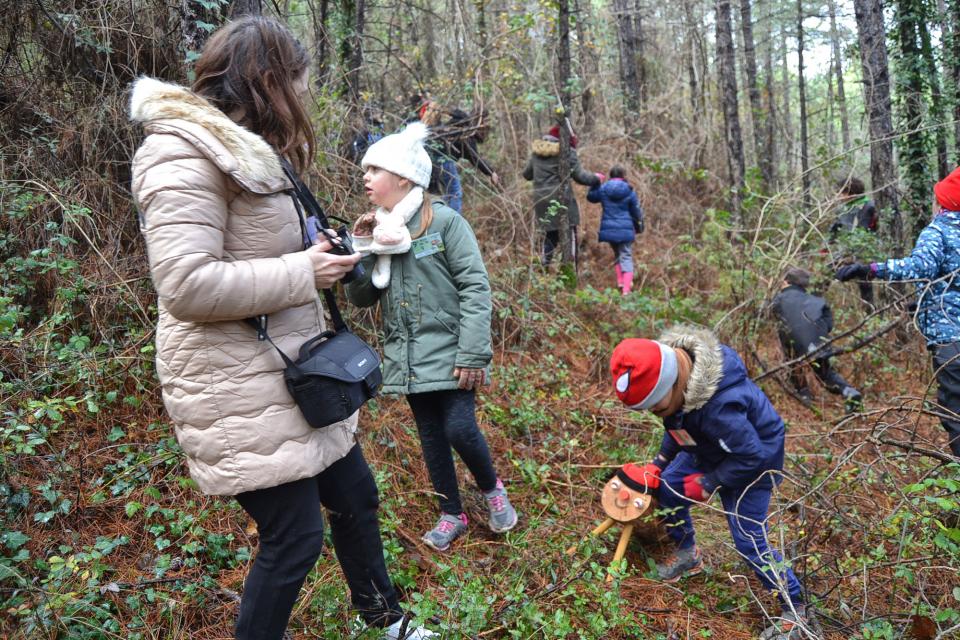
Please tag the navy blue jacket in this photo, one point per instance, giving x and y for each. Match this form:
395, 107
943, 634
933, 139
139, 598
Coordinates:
622, 214
734, 433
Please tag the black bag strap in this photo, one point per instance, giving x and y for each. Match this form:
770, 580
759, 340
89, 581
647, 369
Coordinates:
303, 198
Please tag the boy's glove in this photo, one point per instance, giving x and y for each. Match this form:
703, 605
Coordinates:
600, 176
638, 226
645, 479
854, 271
693, 487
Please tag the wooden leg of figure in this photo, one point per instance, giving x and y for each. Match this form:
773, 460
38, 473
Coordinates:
603, 526
621, 547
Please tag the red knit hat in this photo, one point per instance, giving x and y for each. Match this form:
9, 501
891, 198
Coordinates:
555, 132
948, 191
643, 372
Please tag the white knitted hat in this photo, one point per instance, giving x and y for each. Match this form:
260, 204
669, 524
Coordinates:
403, 154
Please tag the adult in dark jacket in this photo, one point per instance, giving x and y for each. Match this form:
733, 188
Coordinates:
856, 211
722, 436
621, 221
934, 265
552, 208
805, 322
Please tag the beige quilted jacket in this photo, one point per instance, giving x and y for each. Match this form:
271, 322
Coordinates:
224, 244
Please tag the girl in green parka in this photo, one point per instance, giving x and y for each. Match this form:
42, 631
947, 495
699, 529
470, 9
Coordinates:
423, 265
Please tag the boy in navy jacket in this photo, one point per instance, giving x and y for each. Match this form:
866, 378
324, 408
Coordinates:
722, 436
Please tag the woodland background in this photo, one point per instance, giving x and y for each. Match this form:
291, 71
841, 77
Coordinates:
736, 120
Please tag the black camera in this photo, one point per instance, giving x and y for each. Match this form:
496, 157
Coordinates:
343, 247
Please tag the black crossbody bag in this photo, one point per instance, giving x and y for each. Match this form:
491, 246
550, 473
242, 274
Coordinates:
335, 372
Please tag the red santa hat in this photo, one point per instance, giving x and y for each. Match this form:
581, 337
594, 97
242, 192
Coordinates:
643, 372
947, 191
555, 132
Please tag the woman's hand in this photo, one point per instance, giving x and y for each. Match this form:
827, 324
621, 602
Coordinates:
469, 378
329, 267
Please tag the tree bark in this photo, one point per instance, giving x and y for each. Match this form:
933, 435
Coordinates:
756, 109
936, 98
770, 108
838, 71
731, 116
589, 65
640, 59
245, 8
787, 108
876, 96
192, 34
914, 145
953, 46
321, 34
801, 81
352, 49
629, 83
563, 71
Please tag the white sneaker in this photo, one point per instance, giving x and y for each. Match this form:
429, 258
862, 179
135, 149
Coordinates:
411, 633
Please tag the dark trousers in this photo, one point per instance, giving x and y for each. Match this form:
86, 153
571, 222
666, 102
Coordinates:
946, 361
290, 526
832, 380
448, 419
746, 511
551, 241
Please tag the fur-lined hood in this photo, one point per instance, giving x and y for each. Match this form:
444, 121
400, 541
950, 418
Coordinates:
707, 362
545, 148
163, 107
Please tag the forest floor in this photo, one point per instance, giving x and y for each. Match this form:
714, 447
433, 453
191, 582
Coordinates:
149, 557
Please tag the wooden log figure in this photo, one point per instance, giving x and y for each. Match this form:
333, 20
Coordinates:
626, 498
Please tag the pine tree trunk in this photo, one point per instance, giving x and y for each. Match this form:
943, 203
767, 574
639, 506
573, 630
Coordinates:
563, 80
914, 146
838, 71
640, 55
756, 109
589, 65
731, 116
245, 8
770, 108
321, 35
192, 35
629, 83
787, 107
804, 150
937, 110
876, 97
953, 46
695, 80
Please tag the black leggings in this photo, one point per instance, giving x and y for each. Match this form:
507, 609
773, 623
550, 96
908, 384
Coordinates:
290, 525
448, 419
946, 361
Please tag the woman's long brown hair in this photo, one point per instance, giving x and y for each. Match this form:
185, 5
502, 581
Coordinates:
248, 69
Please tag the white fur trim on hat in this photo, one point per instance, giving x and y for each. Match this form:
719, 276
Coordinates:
403, 154
668, 375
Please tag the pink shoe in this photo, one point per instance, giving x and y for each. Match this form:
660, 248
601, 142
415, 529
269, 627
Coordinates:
626, 282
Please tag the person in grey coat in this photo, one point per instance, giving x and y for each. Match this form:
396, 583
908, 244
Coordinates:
552, 208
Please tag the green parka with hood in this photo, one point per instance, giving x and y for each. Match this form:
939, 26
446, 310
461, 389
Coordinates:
543, 168
435, 313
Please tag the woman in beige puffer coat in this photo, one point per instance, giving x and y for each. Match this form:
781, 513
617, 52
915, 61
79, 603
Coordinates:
225, 243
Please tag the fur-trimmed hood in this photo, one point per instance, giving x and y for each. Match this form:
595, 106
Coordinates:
163, 107
707, 362
545, 148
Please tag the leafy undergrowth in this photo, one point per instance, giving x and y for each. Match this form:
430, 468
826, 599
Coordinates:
105, 536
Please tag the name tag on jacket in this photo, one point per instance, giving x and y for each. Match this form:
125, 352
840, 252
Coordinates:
683, 437
427, 245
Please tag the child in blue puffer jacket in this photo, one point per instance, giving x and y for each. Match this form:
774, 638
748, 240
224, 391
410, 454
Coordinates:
622, 220
722, 436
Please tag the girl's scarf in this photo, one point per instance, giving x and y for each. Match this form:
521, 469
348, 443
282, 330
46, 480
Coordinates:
390, 235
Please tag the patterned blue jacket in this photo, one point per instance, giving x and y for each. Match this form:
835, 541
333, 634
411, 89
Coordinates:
935, 263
